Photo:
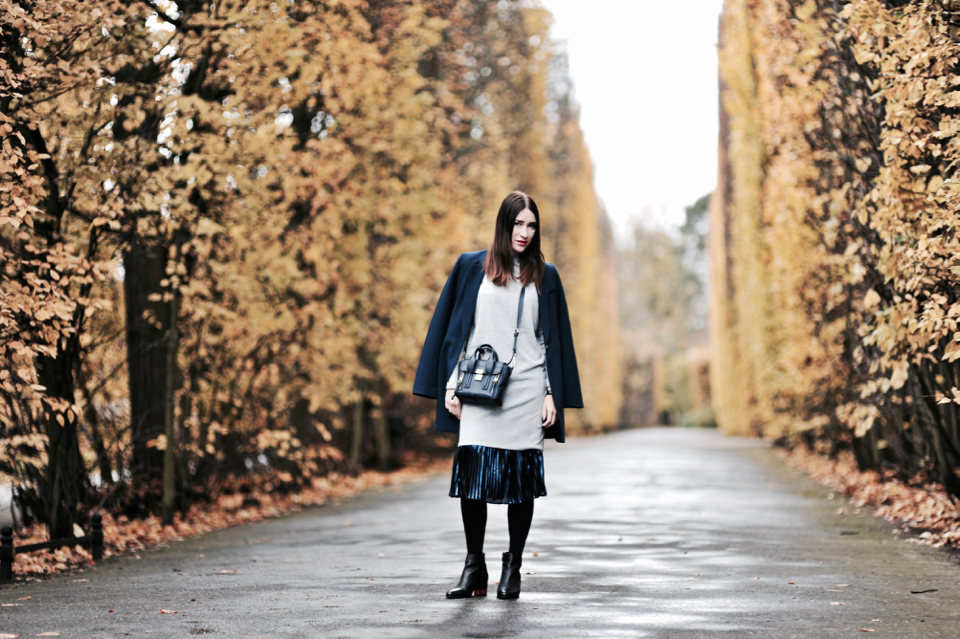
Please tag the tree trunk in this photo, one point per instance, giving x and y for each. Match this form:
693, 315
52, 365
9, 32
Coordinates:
169, 424
65, 480
148, 355
96, 436
383, 429
183, 465
356, 446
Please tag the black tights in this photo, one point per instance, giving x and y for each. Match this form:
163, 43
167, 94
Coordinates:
474, 513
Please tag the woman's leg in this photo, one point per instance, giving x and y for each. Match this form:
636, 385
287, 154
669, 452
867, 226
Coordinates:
473, 580
474, 513
519, 517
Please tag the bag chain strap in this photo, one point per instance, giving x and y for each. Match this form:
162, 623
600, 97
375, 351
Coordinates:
516, 331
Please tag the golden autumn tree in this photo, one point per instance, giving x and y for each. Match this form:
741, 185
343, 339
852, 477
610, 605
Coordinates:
261, 202
836, 199
662, 289
303, 287
56, 218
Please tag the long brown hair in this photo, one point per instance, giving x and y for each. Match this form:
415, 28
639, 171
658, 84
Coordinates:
498, 264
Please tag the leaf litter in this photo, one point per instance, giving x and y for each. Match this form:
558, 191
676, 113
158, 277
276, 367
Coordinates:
124, 536
922, 508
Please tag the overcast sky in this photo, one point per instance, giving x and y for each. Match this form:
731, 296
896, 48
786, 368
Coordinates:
645, 75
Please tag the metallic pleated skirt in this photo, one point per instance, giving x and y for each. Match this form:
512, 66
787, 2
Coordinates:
497, 476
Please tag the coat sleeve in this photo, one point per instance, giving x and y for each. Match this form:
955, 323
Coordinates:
426, 382
572, 396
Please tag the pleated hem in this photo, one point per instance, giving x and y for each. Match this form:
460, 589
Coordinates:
496, 475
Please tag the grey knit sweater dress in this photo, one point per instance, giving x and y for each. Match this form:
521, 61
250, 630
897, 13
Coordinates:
488, 435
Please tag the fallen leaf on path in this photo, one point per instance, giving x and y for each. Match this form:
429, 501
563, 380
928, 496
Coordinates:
792, 583
2, 636
10, 605
836, 603
921, 592
348, 523
867, 630
169, 612
48, 634
23, 598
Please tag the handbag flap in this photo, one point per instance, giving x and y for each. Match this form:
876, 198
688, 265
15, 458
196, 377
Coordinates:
473, 366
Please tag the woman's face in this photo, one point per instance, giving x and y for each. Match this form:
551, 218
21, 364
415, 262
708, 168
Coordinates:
524, 228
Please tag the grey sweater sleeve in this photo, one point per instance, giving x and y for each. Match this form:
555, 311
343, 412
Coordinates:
452, 382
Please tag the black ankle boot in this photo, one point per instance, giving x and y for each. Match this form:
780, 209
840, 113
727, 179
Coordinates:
509, 587
473, 580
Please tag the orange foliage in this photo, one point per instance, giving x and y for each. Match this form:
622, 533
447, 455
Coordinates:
835, 298
305, 174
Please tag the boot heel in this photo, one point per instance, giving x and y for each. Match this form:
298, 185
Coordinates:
480, 593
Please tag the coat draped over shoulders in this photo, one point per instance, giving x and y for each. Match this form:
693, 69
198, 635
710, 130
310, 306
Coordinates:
451, 323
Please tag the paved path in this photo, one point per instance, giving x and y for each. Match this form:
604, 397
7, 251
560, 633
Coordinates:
652, 533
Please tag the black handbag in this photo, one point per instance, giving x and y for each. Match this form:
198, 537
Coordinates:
482, 380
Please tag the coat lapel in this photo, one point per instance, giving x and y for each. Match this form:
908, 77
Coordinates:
546, 303
544, 317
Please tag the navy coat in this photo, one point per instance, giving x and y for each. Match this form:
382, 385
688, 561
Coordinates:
451, 322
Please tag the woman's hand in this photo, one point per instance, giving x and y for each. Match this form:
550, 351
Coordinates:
452, 402
549, 412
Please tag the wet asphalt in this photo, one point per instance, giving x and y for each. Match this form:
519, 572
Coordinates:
645, 533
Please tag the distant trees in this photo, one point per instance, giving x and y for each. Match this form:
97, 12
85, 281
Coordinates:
835, 285
223, 225
663, 313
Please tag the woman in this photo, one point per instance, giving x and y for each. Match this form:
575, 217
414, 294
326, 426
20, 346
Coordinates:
499, 459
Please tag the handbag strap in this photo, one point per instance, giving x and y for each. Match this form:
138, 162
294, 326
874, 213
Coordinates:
463, 351
516, 331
